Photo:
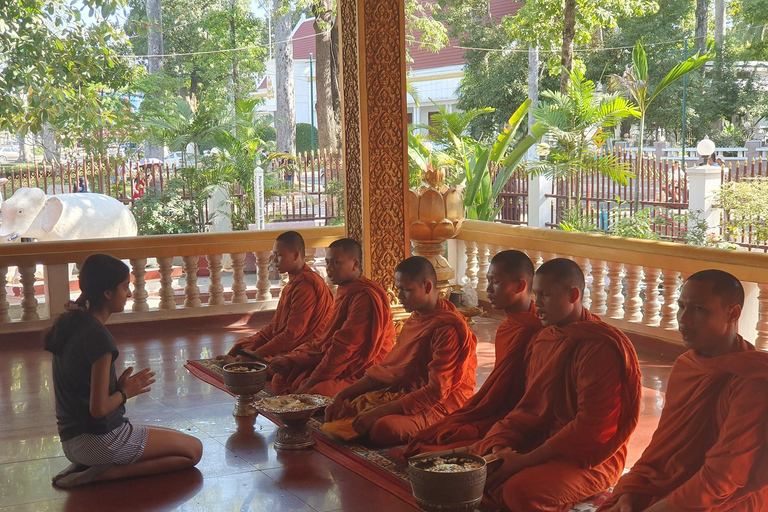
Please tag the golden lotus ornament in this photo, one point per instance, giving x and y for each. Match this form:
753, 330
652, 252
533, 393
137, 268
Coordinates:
435, 215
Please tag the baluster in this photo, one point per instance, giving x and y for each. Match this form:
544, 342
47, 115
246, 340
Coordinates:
215, 289
535, 258
599, 296
633, 306
139, 271
470, 249
671, 293
166, 283
191, 290
309, 257
28, 301
651, 304
263, 285
586, 299
482, 274
761, 341
238, 276
615, 297
4, 316
283, 282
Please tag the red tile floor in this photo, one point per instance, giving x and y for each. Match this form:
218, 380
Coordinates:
239, 471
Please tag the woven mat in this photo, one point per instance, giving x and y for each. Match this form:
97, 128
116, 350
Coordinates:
386, 467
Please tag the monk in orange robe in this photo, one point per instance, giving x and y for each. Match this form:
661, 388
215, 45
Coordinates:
567, 437
429, 373
710, 450
509, 290
359, 333
303, 309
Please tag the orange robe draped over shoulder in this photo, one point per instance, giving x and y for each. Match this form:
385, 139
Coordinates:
431, 371
496, 398
359, 334
582, 399
710, 450
302, 311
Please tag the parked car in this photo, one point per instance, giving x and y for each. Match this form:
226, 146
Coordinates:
174, 158
9, 154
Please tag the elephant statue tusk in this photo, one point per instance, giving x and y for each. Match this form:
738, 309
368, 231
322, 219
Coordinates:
13, 237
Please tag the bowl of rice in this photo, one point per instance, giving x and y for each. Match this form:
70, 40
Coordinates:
448, 483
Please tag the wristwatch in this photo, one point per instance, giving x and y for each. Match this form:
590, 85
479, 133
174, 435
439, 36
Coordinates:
125, 397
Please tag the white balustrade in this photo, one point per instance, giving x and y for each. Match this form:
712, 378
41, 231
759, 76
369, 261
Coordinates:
167, 295
263, 285
583, 263
283, 282
633, 305
671, 293
615, 290
140, 295
215, 289
238, 278
598, 294
4, 306
191, 290
536, 258
482, 273
28, 300
470, 250
651, 304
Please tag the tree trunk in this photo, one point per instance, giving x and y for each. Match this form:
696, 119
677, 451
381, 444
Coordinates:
25, 150
702, 12
533, 92
155, 64
719, 24
328, 129
234, 79
569, 32
50, 148
284, 84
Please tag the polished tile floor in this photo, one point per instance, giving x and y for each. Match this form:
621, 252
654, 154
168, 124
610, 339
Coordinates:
240, 470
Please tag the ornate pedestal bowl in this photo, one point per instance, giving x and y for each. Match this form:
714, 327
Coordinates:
245, 380
293, 411
451, 483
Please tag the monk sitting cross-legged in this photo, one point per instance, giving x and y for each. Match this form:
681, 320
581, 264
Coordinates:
359, 333
429, 373
302, 310
509, 289
566, 438
710, 450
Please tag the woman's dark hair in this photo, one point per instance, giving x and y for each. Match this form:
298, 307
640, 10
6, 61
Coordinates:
98, 273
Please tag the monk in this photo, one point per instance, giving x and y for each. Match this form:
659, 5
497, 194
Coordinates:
509, 290
303, 309
359, 333
429, 374
710, 450
566, 438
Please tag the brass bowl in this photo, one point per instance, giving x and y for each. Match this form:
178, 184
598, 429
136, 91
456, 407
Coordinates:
294, 434
459, 491
245, 385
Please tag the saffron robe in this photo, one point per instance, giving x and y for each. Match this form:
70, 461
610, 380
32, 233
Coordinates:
496, 398
302, 311
710, 450
359, 334
582, 400
431, 371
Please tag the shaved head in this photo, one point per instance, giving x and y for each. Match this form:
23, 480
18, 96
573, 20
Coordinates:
724, 285
563, 271
292, 241
515, 264
417, 268
349, 246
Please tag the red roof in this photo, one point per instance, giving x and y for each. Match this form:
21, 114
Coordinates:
304, 40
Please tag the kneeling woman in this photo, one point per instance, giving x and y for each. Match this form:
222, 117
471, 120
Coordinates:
90, 399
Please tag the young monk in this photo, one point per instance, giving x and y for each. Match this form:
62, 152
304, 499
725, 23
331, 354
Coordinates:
710, 450
509, 290
302, 311
359, 333
566, 438
429, 373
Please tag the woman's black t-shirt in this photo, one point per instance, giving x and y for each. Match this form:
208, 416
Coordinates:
72, 381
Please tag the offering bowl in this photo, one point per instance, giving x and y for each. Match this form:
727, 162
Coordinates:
294, 412
447, 483
245, 380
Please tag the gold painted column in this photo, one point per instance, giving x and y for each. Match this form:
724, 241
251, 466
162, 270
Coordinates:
374, 124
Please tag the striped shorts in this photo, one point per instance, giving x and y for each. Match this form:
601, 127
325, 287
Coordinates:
123, 445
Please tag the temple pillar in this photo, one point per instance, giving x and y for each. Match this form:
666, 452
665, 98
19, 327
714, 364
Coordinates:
374, 116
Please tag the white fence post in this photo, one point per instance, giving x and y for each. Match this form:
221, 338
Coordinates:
703, 181
539, 205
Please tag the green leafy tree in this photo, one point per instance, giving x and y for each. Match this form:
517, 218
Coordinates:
635, 83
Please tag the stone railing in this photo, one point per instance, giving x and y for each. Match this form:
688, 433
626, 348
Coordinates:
633, 284
45, 280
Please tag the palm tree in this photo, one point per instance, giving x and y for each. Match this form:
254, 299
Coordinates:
575, 120
635, 83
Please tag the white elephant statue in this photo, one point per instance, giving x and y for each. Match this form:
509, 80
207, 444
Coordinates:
29, 213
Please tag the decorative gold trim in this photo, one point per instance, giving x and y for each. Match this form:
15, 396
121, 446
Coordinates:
445, 76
